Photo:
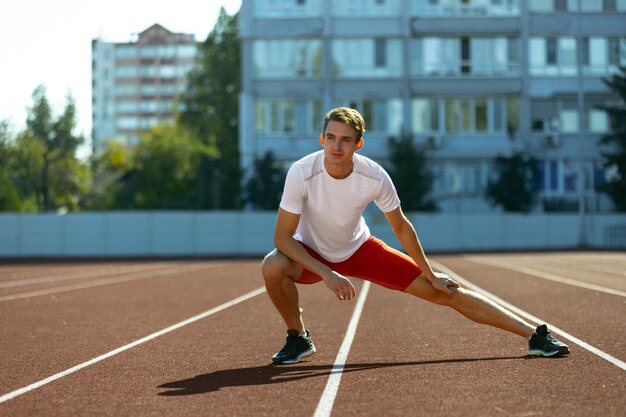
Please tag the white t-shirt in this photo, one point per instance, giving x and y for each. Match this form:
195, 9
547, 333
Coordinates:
331, 210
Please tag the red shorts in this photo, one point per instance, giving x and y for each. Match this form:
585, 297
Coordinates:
373, 261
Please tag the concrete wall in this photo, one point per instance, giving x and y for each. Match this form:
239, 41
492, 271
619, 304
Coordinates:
162, 233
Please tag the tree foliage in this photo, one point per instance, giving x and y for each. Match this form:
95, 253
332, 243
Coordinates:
264, 188
409, 171
516, 185
40, 170
9, 199
615, 143
210, 110
164, 171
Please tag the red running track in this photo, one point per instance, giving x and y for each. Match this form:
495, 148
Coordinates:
103, 332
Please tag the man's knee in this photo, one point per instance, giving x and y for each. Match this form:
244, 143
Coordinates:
275, 266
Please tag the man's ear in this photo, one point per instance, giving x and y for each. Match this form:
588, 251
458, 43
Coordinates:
360, 143
322, 139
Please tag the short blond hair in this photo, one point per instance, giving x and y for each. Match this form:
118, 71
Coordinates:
348, 116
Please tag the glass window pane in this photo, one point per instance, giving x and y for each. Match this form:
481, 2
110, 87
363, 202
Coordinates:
451, 109
512, 116
434, 115
259, 117
567, 56
569, 121
598, 121
394, 116
537, 55
591, 5
481, 115
466, 115
420, 116
497, 115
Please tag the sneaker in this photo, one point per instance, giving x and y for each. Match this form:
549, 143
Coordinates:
542, 343
297, 347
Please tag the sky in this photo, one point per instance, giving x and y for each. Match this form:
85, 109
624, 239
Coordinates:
49, 42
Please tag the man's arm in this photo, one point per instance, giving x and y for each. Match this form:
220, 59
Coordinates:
406, 235
286, 225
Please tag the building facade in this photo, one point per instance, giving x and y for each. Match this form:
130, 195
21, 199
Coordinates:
135, 84
469, 79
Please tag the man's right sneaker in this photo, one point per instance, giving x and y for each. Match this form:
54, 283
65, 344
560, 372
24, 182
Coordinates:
297, 347
542, 343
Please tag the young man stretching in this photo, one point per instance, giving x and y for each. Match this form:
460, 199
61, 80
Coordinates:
321, 235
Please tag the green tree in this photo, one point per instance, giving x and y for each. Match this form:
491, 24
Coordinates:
264, 188
516, 184
164, 171
209, 107
615, 142
52, 173
410, 174
9, 199
108, 165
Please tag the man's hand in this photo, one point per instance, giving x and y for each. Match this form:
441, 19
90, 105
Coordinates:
442, 281
340, 286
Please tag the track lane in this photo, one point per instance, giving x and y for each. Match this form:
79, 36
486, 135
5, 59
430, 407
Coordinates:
413, 358
219, 366
597, 318
408, 357
48, 334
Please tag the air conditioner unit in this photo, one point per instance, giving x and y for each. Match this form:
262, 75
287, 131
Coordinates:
553, 141
434, 142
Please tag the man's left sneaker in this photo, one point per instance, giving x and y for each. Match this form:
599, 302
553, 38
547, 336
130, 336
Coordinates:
542, 343
296, 347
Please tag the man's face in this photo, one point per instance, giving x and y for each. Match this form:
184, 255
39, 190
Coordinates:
339, 142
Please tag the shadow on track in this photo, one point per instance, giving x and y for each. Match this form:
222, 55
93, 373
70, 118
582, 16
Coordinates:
274, 374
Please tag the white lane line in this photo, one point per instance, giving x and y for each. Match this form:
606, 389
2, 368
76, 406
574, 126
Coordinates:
544, 275
101, 282
528, 316
79, 275
325, 406
100, 358
583, 265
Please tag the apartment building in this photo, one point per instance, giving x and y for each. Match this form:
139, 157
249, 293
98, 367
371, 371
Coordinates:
469, 79
136, 84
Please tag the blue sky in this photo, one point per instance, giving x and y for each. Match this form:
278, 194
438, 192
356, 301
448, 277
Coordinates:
49, 42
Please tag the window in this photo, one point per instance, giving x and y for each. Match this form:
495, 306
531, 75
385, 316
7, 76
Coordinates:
553, 56
590, 5
464, 56
287, 8
380, 53
551, 52
512, 116
287, 58
425, 116
356, 58
287, 116
614, 51
569, 120
480, 116
598, 121
560, 5
354, 8
382, 116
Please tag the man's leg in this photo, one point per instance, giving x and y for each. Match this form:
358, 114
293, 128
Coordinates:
280, 273
472, 305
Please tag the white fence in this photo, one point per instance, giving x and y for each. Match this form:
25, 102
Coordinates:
166, 233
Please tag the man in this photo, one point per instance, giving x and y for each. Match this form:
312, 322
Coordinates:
321, 235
